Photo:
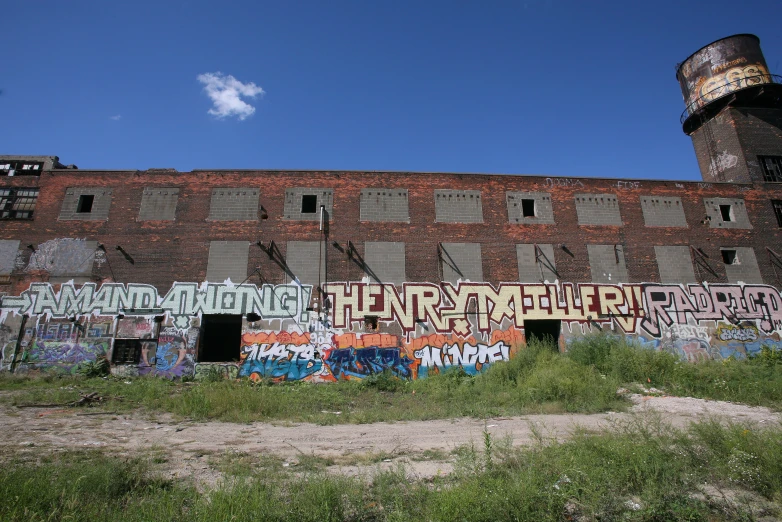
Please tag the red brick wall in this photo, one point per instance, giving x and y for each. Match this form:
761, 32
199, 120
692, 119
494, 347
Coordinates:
177, 251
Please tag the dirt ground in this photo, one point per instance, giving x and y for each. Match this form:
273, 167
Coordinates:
194, 449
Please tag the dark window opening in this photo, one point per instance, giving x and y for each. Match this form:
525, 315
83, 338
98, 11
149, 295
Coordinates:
777, 211
309, 204
22, 168
126, 351
543, 330
772, 168
727, 212
729, 257
221, 338
528, 207
85, 203
17, 203
370, 323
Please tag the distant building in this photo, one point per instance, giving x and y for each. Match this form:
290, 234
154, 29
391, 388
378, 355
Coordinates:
326, 275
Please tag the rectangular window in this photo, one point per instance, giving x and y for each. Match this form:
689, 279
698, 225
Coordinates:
772, 168
309, 203
528, 208
17, 203
729, 257
85, 203
727, 212
777, 203
20, 168
126, 351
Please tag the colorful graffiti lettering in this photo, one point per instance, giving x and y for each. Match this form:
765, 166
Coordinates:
735, 333
278, 356
470, 325
64, 357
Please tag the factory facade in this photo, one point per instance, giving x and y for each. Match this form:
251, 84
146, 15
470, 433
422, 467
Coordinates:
328, 275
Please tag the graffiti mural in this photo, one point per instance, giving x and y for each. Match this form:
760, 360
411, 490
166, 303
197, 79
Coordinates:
279, 356
173, 356
63, 356
470, 325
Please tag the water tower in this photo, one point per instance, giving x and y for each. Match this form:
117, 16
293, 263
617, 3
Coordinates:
734, 111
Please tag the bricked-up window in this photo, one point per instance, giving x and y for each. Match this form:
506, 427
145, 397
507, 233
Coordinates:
309, 204
85, 203
17, 203
729, 257
772, 168
777, 203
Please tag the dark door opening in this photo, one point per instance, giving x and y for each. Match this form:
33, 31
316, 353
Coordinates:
543, 330
221, 338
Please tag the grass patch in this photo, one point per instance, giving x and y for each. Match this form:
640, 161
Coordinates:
756, 381
640, 470
537, 380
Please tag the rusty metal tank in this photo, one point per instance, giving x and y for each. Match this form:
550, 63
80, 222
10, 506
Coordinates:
720, 70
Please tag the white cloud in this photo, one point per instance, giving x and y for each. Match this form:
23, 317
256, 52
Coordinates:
116, 118
226, 92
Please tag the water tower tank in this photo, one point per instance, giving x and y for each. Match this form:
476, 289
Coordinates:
726, 71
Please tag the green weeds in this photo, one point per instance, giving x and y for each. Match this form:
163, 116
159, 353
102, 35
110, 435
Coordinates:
639, 470
537, 380
757, 381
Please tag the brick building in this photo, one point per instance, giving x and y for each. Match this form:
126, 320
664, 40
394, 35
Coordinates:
324, 275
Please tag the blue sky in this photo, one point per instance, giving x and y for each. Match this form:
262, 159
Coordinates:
528, 87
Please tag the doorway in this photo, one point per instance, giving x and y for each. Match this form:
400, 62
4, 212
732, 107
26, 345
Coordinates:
543, 330
221, 338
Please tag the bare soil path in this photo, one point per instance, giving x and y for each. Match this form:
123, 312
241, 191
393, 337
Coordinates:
190, 449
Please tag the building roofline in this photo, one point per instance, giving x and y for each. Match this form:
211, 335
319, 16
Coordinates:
387, 172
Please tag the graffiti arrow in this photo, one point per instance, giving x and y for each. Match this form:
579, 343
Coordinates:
19, 304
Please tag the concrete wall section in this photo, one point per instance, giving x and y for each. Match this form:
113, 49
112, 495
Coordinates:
159, 204
675, 264
99, 211
385, 262
227, 260
302, 260
660, 211
9, 248
234, 204
607, 263
745, 267
536, 267
543, 212
726, 213
295, 201
385, 205
598, 209
458, 206
461, 261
